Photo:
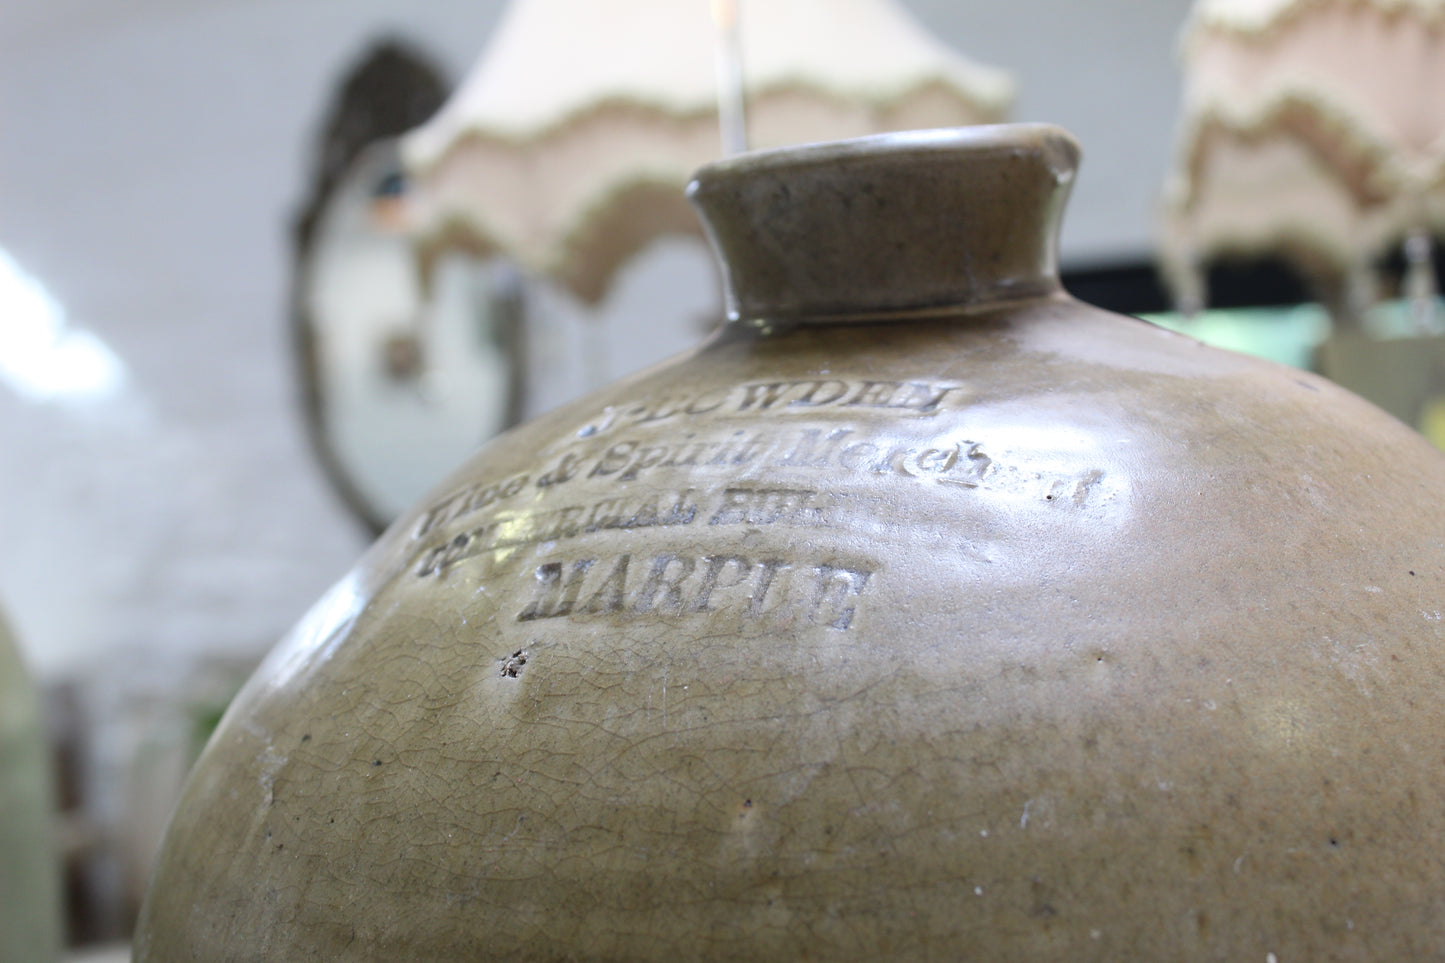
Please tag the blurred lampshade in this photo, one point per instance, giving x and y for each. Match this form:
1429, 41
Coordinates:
1312, 129
568, 146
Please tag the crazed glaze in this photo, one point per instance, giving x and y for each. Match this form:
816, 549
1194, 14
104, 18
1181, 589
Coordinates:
1013, 631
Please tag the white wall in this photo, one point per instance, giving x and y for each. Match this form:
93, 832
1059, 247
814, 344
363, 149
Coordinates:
1105, 69
151, 155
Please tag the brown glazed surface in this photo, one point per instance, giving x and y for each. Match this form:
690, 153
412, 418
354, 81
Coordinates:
988, 626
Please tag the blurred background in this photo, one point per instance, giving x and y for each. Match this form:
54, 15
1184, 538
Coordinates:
241, 328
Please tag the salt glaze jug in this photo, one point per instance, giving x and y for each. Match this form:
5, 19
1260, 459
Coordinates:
923, 613
29, 857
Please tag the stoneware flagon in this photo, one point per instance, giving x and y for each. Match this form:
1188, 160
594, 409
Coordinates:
29, 861
922, 613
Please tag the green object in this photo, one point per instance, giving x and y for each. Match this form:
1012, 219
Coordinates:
1287, 335
29, 871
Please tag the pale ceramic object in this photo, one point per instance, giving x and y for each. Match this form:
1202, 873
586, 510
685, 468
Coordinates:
923, 613
29, 862
1310, 128
569, 144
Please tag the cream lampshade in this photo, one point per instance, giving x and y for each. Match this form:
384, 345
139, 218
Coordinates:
1313, 129
568, 146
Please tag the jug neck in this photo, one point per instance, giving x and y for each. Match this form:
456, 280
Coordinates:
891, 225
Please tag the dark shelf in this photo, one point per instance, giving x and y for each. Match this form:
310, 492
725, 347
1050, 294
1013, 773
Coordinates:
1136, 288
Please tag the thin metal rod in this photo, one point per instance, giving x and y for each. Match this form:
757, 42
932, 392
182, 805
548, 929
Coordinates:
732, 118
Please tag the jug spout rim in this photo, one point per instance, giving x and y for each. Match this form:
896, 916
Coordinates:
890, 223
